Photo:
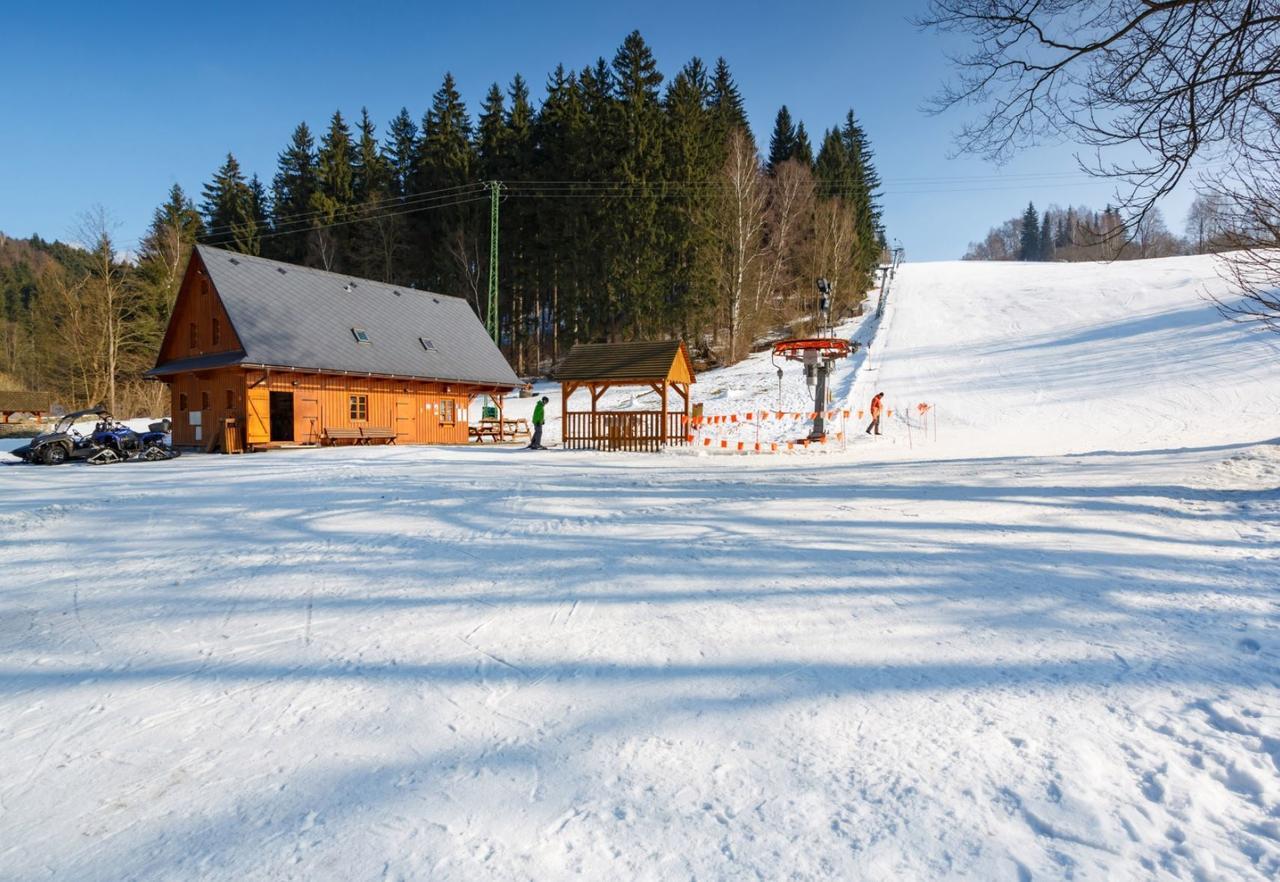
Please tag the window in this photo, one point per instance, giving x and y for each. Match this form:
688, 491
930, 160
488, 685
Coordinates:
427, 344
182, 402
361, 335
204, 400
194, 333
217, 332
359, 407
446, 410
231, 400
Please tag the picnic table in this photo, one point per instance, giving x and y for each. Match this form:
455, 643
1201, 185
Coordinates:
500, 430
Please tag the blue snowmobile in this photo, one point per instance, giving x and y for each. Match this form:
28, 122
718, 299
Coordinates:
109, 441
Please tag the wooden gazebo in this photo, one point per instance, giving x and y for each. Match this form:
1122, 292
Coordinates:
663, 366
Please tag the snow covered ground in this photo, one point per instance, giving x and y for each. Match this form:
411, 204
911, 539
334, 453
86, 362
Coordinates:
1044, 646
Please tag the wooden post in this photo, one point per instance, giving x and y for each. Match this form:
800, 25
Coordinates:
662, 428
566, 393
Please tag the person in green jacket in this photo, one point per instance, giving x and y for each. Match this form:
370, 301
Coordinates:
539, 417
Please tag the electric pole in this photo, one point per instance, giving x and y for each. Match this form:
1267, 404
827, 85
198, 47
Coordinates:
491, 314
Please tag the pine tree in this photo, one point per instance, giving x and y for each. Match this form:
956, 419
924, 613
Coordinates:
691, 155
400, 151
230, 211
1029, 243
864, 196
333, 199
559, 153
782, 144
726, 100
1045, 247
376, 240
634, 255
803, 151
162, 259
292, 187
444, 164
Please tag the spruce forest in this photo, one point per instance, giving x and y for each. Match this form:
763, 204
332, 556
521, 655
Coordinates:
631, 206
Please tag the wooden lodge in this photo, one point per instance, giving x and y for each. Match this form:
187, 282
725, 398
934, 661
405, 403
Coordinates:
299, 356
662, 366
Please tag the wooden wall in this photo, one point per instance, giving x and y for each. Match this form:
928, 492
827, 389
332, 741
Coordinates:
197, 303
412, 408
415, 410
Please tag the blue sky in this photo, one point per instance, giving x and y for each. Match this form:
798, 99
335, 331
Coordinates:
111, 103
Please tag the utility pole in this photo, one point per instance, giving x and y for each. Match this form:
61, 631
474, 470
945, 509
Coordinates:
491, 313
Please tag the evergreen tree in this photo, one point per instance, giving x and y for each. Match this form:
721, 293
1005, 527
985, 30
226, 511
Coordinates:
691, 155
636, 243
726, 100
292, 187
401, 150
162, 259
1029, 243
864, 196
491, 135
333, 198
230, 211
444, 165
376, 240
1045, 247
559, 153
803, 151
782, 144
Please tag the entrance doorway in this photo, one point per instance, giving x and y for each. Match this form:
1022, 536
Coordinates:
406, 427
281, 416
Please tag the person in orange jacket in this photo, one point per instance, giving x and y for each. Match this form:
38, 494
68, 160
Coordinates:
877, 404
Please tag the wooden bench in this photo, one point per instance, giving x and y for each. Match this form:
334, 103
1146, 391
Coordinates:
377, 435
518, 428
337, 436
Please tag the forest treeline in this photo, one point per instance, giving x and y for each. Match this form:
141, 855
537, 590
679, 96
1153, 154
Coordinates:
1079, 233
631, 206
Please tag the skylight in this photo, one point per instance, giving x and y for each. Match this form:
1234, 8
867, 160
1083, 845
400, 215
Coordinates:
361, 335
427, 344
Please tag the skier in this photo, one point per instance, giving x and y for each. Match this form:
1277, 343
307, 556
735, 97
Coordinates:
539, 417
876, 405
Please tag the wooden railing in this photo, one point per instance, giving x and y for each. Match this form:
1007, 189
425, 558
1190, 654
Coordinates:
621, 430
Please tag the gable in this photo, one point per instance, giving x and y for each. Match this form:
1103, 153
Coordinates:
198, 305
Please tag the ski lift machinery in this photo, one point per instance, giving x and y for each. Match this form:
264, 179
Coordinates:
818, 355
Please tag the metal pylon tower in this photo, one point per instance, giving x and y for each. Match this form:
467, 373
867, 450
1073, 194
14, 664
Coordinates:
491, 313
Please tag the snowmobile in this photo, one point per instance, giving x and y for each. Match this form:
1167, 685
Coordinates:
109, 441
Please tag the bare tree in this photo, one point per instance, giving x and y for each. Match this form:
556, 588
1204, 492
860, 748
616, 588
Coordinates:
739, 221
1181, 80
1205, 222
791, 195
110, 308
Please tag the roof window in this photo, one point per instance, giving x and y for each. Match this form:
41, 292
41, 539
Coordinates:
361, 335
427, 344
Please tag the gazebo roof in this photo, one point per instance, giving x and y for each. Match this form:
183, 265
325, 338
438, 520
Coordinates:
642, 362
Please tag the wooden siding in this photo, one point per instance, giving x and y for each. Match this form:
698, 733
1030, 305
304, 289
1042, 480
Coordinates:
412, 409
197, 303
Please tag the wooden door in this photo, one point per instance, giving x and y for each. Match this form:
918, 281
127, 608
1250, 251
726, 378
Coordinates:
258, 407
406, 423
308, 418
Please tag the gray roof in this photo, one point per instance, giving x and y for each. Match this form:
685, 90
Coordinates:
293, 316
641, 360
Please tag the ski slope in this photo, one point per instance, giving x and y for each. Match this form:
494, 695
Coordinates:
1043, 646
1073, 357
